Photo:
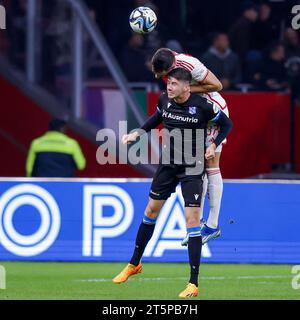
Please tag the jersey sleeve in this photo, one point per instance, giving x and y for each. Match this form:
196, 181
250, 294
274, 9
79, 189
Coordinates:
199, 71
211, 111
225, 127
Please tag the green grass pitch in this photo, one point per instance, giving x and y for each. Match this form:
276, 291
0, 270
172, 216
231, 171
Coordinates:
33, 280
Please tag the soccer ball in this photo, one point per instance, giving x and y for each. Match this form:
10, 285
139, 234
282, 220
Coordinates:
143, 20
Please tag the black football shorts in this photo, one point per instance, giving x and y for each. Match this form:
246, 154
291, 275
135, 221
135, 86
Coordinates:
167, 178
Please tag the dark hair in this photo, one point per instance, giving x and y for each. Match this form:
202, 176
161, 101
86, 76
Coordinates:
56, 124
180, 74
162, 60
249, 5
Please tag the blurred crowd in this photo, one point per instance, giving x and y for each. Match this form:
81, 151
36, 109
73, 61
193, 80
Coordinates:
247, 44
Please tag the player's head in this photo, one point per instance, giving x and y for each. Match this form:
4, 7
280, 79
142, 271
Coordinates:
163, 62
57, 125
179, 81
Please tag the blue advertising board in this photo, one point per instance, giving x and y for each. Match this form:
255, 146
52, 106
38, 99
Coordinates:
97, 220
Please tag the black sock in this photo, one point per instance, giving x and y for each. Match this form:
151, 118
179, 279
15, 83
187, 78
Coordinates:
143, 236
194, 248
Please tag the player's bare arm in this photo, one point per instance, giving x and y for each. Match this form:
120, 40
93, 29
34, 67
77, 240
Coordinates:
210, 84
210, 151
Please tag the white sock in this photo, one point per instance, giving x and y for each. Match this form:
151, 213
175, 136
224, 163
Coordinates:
205, 183
215, 191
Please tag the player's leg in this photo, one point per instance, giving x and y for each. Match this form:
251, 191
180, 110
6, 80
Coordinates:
205, 184
185, 240
146, 229
163, 184
215, 190
194, 246
192, 191
143, 236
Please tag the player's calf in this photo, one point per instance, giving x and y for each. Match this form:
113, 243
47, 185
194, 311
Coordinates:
185, 240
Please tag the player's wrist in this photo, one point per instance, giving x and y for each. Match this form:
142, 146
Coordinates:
214, 146
135, 134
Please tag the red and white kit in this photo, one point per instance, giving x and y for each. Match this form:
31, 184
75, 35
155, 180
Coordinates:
199, 72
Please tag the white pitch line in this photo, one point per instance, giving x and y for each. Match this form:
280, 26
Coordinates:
202, 278
263, 277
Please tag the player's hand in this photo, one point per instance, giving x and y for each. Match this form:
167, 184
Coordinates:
131, 137
210, 152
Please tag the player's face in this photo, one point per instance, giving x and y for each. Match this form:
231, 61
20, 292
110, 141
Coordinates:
176, 88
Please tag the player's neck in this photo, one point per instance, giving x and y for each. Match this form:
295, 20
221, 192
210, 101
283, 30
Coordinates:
182, 98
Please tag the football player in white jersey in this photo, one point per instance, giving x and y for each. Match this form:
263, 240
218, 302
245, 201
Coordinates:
207, 84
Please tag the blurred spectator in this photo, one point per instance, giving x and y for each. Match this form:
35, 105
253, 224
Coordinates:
154, 39
145, 3
174, 45
54, 154
264, 29
241, 33
273, 75
117, 26
223, 62
59, 31
134, 60
291, 43
252, 66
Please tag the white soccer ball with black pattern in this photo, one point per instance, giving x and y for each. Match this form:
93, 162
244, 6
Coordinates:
143, 20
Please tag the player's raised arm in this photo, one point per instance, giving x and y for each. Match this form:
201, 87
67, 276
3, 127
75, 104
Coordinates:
210, 84
204, 80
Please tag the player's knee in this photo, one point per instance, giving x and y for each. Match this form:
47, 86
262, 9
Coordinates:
193, 218
151, 212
